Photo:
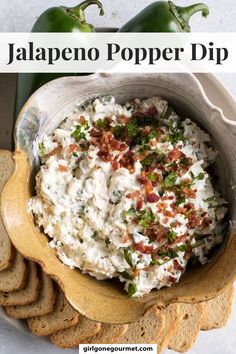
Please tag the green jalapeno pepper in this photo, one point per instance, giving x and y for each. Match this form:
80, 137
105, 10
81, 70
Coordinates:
164, 16
55, 19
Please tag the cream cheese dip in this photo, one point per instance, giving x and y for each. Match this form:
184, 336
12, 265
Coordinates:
123, 192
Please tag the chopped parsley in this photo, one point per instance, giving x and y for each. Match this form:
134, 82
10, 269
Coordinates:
131, 212
209, 200
128, 257
101, 123
147, 121
119, 131
171, 254
132, 130
183, 248
42, 149
78, 134
200, 176
152, 177
132, 289
146, 218
180, 201
155, 262
126, 275
170, 180
148, 161
176, 132
198, 243
171, 236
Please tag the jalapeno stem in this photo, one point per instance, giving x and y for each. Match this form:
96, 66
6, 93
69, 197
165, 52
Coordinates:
78, 11
187, 12
183, 14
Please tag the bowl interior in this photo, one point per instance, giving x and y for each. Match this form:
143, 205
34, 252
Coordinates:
41, 115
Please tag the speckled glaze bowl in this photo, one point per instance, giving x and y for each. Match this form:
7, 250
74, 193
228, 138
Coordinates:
105, 301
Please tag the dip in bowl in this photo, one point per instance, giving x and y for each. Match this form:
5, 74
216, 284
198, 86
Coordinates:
124, 192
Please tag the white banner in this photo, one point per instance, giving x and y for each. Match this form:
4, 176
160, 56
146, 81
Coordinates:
118, 52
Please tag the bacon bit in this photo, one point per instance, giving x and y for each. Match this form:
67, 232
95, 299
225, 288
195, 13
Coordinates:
135, 194
152, 111
189, 206
203, 214
160, 167
181, 238
175, 155
206, 222
177, 266
140, 156
171, 197
161, 205
131, 170
142, 248
165, 220
143, 178
156, 233
179, 209
152, 198
108, 119
122, 119
117, 145
138, 114
62, 168
73, 147
148, 187
123, 147
105, 156
160, 130
127, 161
115, 165
172, 279
152, 143
95, 133
189, 193
175, 169
136, 272
81, 119
55, 151
146, 130
176, 224
125, 237
188, 255
193, 221
169, 213
90, 157
139, 204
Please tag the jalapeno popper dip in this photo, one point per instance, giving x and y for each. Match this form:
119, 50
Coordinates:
124, 192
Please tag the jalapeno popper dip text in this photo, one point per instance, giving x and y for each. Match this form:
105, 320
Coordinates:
124, 192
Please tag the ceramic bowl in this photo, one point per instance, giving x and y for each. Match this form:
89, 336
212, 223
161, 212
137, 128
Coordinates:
105, 301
